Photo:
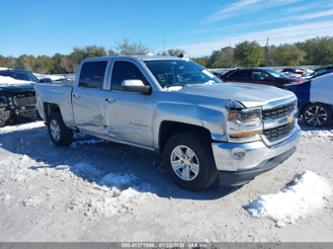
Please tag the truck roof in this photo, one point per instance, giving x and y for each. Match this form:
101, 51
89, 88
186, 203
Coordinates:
138, 57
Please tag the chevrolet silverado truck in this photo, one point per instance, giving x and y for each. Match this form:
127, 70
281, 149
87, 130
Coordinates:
203, 128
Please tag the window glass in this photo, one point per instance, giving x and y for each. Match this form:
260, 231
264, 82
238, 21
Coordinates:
170, 73
276, 74
92, 74
124, 70
259, 75
240, 75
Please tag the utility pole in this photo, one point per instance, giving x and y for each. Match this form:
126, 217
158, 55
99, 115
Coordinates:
267, 53
163, 39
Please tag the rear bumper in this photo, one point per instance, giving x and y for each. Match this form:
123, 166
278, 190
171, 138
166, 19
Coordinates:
241, 177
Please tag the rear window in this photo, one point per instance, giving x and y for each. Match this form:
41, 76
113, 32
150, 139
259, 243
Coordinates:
92, 74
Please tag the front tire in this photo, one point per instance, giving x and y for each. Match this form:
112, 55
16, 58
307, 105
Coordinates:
317, 115
59, 133
189, 161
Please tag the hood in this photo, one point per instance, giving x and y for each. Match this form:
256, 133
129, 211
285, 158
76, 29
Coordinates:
250, 95
13, 88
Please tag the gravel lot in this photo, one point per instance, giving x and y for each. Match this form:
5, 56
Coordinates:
99, 191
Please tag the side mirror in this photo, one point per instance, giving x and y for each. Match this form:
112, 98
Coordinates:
135, 86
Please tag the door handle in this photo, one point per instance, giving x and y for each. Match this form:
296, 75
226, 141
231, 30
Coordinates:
77, 96
110, 100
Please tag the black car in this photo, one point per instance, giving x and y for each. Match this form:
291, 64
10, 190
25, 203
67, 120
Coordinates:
258, 76
17, 100
321, 71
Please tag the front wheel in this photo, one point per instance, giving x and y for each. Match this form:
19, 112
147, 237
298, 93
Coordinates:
60, 134
317, 115
189, 161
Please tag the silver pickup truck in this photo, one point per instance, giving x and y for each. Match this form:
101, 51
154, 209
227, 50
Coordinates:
205, 129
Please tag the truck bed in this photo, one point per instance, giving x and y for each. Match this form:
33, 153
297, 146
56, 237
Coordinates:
59, 94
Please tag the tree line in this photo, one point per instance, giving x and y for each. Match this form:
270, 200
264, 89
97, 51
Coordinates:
317, 51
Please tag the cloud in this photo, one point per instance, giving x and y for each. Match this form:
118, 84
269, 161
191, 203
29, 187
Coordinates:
242, 6
232, 9
276, 36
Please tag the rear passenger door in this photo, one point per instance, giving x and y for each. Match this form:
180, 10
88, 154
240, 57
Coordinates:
239, 76
88, 97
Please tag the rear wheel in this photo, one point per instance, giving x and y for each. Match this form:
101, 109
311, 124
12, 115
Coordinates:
60, 135
189, 161
317, 114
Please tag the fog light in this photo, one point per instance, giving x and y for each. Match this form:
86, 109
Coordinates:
237, 153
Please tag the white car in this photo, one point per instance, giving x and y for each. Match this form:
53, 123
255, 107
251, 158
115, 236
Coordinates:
315, 100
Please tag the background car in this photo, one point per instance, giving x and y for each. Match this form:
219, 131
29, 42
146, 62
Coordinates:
19, 74
17, 95
259, 76
315, 100
321, 71
293, 71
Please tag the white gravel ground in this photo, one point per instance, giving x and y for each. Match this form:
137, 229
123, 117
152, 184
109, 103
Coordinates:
99, 191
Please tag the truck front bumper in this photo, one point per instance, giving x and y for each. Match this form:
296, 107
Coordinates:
240, 163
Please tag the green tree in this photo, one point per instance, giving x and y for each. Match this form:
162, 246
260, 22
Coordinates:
126, 47
202, 60
319, 51
287, 55
79, 54
223, 58
176, 52
249, 54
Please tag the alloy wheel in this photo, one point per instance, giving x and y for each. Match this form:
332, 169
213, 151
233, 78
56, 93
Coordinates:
185, 163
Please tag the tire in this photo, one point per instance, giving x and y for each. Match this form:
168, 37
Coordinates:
198, 172
60, 135
317, 115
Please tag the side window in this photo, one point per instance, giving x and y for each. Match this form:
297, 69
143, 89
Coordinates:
259, 75
240, 75
124, 70
92, 74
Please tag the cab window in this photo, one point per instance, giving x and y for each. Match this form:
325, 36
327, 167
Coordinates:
124, 70
92, 74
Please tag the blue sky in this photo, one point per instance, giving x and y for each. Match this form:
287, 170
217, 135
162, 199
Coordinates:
47, 27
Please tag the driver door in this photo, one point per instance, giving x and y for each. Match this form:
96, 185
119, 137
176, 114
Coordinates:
128, 115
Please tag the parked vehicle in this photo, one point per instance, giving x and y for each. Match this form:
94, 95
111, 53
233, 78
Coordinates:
203, 128
258, 76
321, 71
17, 99
292, 70
315, 100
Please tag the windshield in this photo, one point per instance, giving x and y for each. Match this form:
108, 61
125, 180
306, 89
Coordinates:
20, 75
179, 73
276, 74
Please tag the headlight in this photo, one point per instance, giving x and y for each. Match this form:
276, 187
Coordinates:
3, 101
244, 124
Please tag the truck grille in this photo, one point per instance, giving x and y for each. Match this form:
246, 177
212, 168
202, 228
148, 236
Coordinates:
277, 133
278, 112
25, 100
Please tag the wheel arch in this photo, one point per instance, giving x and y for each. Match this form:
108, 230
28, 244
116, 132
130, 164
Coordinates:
169, 128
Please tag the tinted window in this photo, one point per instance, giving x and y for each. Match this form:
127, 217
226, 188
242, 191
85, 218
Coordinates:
259, 75
123, 70
239, 75
92, 74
